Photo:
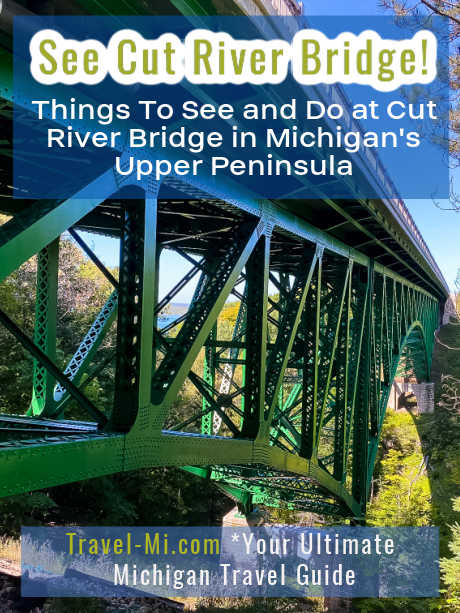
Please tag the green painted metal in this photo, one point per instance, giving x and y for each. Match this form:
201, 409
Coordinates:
45, 327
292, 400
209, 375
78, 365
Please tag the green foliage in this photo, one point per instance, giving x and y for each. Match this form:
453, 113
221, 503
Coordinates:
74, 605
27, 509
82, 292
399, 433
396, 605
260, 605
403, 495
450, 567
457, 292
230, 312
447, 361
441, 437
160, 496
283, 515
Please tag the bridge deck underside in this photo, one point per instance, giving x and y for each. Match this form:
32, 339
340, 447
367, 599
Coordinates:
285, 354
360, 224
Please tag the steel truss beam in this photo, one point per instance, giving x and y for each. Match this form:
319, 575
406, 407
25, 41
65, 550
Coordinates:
296, 391
293, 399
45, 327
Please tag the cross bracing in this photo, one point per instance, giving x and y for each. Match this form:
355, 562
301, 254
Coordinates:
296, 389
332, 298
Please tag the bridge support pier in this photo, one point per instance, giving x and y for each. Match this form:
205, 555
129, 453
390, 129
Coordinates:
402, 390
236, 518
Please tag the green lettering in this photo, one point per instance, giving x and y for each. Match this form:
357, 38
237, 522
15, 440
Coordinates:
385, 61
69, 61
257, 61
152, 546
407, 61
90, 61
132, 66
202, 57
48, 56
307, 56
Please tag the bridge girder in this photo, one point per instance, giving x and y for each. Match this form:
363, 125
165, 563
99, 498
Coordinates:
293, 398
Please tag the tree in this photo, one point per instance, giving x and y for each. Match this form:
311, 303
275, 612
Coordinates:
82, 291
421, 10
444, 8
450, 567
403, 496
457, 292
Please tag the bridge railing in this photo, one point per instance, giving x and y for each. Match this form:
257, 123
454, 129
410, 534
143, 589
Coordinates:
370, 158
373, 162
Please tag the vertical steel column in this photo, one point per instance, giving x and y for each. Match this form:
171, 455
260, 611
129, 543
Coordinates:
289, 320
223, 272
362, 403
155, 302
386, 336
311, 322
378, 308
234, 353
149, 285
209, 375
336, 280
133, 334
358, 307
283, 303
342, 392
257, 271
45, 327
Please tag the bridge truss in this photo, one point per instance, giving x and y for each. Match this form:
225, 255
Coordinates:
329, 297
293, 390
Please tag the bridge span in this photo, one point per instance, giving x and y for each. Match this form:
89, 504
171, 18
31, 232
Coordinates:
332, 297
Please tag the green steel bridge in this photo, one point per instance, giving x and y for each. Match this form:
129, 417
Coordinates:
333, 297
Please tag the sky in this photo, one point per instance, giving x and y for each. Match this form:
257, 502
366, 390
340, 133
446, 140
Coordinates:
441, 231
440, 228
342, 7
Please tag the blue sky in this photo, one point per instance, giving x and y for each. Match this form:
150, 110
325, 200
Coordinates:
341, 7
441, 231
440, 228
